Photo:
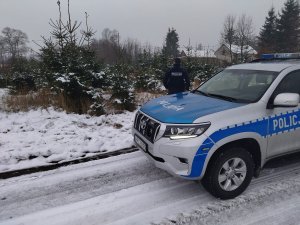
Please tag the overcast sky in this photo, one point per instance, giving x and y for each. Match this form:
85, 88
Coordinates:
145, 20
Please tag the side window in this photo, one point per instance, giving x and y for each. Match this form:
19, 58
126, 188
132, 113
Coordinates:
289, 84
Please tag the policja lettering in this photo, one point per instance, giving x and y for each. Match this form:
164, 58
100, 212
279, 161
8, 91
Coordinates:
285, 122
176, 74
168, 105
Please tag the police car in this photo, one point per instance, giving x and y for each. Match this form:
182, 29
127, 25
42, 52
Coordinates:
226, 130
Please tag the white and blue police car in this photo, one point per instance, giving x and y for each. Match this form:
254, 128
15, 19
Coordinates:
226, 130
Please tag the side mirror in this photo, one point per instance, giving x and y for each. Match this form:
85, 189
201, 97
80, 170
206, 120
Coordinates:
286, 100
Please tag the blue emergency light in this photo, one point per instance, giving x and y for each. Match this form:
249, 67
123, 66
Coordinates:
281, 56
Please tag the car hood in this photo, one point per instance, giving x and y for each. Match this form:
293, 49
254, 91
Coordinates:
185, 107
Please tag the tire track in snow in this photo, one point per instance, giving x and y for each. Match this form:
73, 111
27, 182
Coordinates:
273, 187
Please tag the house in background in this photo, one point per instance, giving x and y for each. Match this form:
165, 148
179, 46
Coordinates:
223, 53
205, 53
205, 56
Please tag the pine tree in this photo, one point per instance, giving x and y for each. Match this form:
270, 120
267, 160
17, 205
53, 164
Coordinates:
288, 27
267, 35
171, 46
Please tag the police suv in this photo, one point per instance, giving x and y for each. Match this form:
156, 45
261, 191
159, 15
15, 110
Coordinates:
226, 130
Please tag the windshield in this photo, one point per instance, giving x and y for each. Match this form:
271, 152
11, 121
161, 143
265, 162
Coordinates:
238, 85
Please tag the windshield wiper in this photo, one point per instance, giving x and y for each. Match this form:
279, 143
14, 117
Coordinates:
201, 92
223, 97
215, 95
227, 98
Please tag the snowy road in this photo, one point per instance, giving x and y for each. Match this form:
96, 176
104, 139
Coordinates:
128, 189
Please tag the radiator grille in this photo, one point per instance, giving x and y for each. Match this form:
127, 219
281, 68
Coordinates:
146, 126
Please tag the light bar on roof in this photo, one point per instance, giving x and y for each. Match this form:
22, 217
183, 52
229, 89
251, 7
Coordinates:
281, 56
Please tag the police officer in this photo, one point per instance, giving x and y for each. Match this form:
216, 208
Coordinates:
176, 79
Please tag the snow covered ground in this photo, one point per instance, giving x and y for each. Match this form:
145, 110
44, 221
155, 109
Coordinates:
128, 189
41, 137
3, 93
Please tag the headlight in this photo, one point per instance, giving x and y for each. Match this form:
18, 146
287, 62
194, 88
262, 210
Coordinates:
185, 131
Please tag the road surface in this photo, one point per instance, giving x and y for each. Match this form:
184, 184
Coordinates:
128, 189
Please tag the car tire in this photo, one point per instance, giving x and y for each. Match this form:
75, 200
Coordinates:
230, 173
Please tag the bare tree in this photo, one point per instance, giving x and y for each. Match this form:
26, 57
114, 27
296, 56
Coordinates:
132, 48
228, 34
189, 49
2, 51
107, 48
14, 41
111, 35
199, 47
244, 34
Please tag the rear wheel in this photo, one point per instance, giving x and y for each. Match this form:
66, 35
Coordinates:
230, 173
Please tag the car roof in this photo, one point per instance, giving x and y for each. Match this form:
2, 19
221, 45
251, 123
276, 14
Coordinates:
273, 65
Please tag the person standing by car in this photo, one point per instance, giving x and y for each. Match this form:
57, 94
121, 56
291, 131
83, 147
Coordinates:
176, 79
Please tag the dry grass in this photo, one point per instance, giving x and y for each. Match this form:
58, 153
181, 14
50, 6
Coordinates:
22, 101
44, 98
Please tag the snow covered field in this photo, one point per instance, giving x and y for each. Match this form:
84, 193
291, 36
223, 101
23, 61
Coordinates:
43, 137
129, 190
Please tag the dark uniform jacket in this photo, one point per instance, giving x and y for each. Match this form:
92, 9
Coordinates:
176, 80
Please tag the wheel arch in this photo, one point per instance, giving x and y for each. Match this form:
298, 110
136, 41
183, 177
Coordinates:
249, 144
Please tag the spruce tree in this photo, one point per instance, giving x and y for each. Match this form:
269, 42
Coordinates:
121, 86
170, 49
288, 27
69, 65
267, 35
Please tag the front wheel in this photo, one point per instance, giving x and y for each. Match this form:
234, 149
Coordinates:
229, 174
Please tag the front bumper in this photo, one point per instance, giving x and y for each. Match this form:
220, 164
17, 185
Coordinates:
182, 158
